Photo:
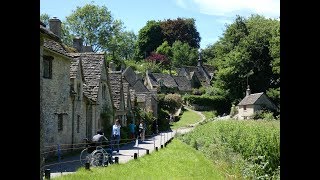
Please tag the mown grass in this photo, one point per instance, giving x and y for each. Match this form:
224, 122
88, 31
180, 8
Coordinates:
176, 161
187, 118
242, 149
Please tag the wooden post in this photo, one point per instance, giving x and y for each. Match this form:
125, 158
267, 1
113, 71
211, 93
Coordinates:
47, 174
135, 156
147, 151
116, 160
161, 146
87, 165
156, 148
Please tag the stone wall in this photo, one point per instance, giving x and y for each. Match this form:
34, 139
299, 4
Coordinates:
56, 100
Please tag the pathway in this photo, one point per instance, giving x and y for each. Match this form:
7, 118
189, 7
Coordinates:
126, 153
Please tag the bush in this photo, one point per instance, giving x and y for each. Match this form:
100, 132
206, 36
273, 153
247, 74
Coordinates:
218, 103
263, 114
172, 102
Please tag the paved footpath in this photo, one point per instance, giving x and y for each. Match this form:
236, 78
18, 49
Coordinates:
126, 153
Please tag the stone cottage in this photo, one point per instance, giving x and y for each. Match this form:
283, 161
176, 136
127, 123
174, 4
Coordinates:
55, 90
146, 99
199, 75
117, 93
95, 108
252, 103
44, 34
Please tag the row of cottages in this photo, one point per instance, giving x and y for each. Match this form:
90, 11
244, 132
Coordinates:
188, 77
75, 98
145, 99
80, 94
252, 103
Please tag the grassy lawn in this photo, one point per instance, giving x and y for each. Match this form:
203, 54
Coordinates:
176, 161
208, 114
188, 117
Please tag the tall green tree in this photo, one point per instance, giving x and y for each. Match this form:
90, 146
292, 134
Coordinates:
94, 24
181, 29
246, 53
149, 38
183, 54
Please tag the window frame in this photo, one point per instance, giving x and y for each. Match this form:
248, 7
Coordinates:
47, 60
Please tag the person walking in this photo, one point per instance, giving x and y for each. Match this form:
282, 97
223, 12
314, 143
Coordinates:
116, 135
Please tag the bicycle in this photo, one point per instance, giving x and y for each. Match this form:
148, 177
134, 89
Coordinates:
95, 155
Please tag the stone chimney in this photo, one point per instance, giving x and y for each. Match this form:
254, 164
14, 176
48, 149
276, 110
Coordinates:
55, 26
78, 44
112, 66
87, 49
248, 91
199, 59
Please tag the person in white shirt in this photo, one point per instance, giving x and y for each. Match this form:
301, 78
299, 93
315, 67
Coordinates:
116, 135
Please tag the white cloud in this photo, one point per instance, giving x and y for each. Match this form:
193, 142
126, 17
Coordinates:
268, 8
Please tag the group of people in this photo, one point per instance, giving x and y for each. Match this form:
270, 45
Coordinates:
136, 132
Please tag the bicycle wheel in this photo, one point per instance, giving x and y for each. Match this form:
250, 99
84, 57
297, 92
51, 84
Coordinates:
84, 157
98, 158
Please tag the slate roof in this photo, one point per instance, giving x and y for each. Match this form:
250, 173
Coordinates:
140, 87
168, 80
130, 75
92, 64
74, 67
115, 84
183, 83
55, 46
209, 70
251, 99
49, 33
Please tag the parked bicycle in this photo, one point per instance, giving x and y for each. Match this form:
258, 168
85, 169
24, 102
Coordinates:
95, 155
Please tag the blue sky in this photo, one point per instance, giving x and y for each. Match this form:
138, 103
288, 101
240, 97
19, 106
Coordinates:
210, 16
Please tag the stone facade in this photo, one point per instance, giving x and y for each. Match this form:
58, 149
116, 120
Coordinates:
56, 96
252, 103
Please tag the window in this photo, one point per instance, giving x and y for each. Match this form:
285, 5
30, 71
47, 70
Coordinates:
78, 124
244, 107
47, 67
60, 122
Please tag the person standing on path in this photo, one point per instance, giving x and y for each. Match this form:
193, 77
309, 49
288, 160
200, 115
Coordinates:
132, 128
142, 130
116, 135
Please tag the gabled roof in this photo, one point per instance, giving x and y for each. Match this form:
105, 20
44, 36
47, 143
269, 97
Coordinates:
55, 46
92, 64
130, 75
115, 78
207, 69
140, 87
250, 99
168, 80
183, 83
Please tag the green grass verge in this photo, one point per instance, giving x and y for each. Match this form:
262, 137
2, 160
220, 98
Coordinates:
241, 148
188, 117
208, 114
176, 161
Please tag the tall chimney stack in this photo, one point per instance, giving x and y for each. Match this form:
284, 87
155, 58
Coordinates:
78, 44
112, 66
199, 59
55, 26
248, 91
